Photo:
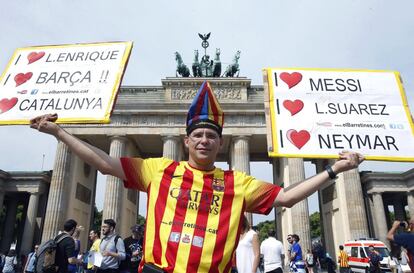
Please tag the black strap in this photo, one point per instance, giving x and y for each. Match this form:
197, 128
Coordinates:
331, 173
63, 236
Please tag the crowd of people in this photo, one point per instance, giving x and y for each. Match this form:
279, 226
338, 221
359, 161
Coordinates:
108, 253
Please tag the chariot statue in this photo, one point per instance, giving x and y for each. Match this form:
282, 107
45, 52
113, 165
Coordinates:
207, 67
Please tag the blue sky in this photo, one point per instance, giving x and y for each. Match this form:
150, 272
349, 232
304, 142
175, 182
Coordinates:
269, 33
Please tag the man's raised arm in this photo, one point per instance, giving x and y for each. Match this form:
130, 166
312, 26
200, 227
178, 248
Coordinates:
299, 191
88, 153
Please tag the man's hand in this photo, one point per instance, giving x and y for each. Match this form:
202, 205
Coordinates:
45, 124
393, 229
347, 161
396, 224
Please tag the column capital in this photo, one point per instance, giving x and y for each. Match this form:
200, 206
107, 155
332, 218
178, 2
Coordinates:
165, 137
117, 137
244, 137
375, 192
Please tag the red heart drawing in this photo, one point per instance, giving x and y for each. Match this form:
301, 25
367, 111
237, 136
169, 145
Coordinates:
7, 104
22, 78
291, 79
34, 56
299, 139
293, 106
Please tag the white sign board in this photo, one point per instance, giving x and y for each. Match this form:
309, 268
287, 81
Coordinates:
316, 113
79, 82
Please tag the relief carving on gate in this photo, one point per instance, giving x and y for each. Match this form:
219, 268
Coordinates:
221, 93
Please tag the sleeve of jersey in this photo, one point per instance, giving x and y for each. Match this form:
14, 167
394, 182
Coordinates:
138, 172
259, 195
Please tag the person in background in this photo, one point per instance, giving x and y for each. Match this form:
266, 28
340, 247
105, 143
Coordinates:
94, 237
248, 250
343, 260
289, 250
112, 248
73, 268
66, 247
404, 239
133, 249
273, 253
31, 260
296, 256
374, 260
330, 264
310, 261
10, 262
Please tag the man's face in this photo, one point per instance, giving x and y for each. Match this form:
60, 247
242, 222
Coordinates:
203, 145
137, 234
92, 235
289, 239
106, 229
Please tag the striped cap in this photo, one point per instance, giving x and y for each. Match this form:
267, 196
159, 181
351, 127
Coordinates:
205, 111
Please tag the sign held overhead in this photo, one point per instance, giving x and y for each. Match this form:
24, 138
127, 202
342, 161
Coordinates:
316, 113
79, 82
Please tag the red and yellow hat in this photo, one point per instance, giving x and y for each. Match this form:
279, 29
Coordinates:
205, 111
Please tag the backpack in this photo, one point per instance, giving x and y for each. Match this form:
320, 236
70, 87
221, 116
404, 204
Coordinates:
46, 255
309, 259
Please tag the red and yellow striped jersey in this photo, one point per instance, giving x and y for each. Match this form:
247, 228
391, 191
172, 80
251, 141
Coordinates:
343, 259
194, 217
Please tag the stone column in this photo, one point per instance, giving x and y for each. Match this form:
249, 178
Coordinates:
354, 199
410, 202
114, 186
399, 210
10, 221
58, 196
381, 222
240, 159
171, 147
30, 223
300, 211
240, 154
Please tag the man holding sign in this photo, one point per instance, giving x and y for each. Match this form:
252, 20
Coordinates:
195, 209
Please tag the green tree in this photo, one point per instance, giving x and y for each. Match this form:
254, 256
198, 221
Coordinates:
140, 220
263, 228
97, 219
315, 224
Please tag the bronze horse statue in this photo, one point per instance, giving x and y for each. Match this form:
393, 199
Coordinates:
196, 65
217, 64
233, 68
182, 69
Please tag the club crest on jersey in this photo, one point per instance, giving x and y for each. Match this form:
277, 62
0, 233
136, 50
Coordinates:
198, 241
174, 237
186, 239
218, 184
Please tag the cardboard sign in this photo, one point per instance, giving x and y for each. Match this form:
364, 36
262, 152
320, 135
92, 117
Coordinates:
316, 113
79, 82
